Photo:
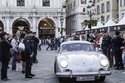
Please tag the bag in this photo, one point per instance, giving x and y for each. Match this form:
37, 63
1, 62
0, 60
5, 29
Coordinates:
18, 57
21, 46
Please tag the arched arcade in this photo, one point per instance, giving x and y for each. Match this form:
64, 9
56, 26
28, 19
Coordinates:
46, 28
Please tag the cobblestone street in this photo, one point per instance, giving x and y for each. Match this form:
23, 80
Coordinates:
45, 74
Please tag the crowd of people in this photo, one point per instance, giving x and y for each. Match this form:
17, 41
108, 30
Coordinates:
113, 46
54, 43
26, 45
23, 45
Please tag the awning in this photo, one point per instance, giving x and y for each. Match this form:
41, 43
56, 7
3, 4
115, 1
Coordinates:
122, 21
110, 22
99, 24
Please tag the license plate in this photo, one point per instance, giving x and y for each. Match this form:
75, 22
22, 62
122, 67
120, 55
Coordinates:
85, 78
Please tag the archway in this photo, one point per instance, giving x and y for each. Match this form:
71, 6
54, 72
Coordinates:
46, 28
20, 24
1, 26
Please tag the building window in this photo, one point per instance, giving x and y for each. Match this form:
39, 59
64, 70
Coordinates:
46, 2
108, 6
97, 19
102, 8
20, 2
102, 19
121, 3
98, 9
84, 9
124, 2
83, 1
122, 15
108, 17
74, 4
70, 6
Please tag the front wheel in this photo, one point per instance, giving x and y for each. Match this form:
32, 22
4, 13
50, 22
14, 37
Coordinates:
102, 78
61, 79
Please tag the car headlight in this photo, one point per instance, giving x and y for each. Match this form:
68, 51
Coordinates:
63, 63
104, 63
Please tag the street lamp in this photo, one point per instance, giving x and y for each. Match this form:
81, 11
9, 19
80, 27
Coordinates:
61, 22
90, 14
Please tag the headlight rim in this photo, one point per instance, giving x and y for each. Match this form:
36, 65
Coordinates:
63, 62
102, 63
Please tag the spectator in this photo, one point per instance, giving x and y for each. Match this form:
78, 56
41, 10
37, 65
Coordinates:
117, 43
28, 41
49, 44
14, 49
36, 42
5, 55
124, 50
22, 52
40, 44
106, 45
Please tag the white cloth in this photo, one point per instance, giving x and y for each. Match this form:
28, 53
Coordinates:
100, 41
123, 57
14, 44
40, 41
21, 46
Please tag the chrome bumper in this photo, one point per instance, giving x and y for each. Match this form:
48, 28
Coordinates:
72, 74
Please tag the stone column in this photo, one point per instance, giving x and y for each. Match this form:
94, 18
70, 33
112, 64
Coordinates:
11, 28
37, 32
57, 33
7, 25
64, 27
34, 24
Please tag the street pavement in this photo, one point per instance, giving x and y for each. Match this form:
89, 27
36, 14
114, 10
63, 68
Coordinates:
44, 71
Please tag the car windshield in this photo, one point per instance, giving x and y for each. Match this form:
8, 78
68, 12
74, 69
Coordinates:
77, 47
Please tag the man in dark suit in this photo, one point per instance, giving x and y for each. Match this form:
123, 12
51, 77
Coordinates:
36, 42
5, 55
106, 46
117, 43
29, 54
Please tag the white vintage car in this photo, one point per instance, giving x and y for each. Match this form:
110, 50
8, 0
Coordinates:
79, 60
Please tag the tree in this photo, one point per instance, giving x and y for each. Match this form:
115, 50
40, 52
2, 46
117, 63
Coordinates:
87, 22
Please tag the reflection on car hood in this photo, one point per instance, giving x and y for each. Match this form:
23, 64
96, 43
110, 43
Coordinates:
81, 58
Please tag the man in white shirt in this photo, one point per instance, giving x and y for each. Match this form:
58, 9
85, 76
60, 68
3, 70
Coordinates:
14, 49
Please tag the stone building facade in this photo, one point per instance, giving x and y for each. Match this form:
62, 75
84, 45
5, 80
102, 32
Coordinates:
75, 14
41, 16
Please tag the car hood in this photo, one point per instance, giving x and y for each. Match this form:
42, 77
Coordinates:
81, 58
